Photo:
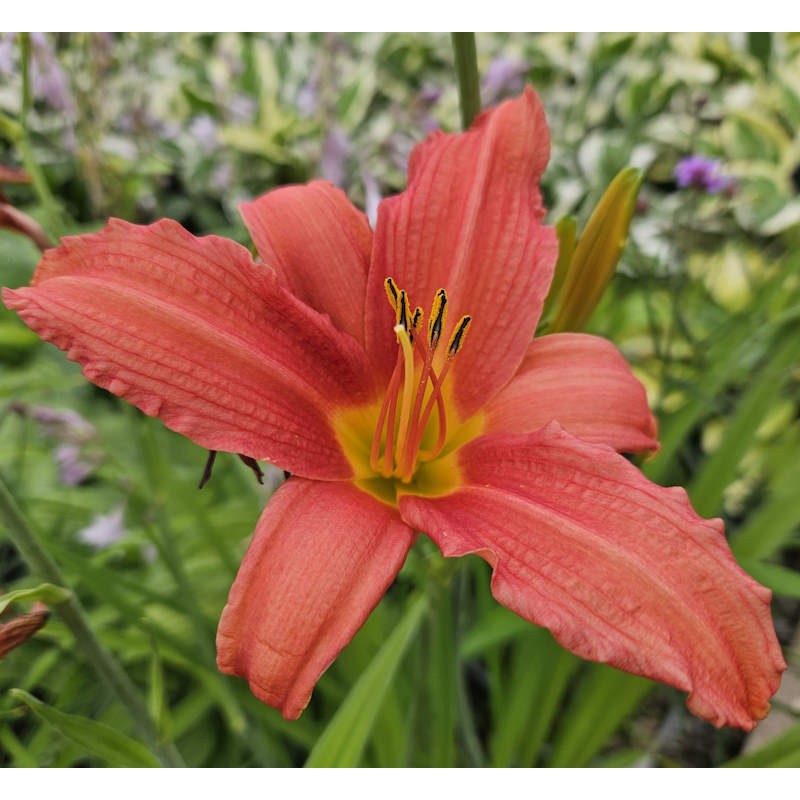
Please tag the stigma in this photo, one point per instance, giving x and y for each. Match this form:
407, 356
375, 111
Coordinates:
406, 417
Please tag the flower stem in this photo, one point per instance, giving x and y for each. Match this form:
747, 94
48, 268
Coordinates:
469, 88
74, 617
53, 220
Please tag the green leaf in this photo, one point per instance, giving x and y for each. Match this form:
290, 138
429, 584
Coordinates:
19, 754
782, 580
754, 135
46, 593
117, 749
772, 525
343, 740
538, 678
602, 701
759, 43
15, 341
782, 751
720, 468
157, 703
442, 668
722, 367
10, 129
495, 628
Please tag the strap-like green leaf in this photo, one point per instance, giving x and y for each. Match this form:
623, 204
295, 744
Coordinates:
115, 748
343, 740
602, 701
46, 593
781, 580
782, 751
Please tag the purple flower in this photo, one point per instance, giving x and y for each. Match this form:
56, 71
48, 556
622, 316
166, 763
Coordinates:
50, 81
241, 108
699, 172
400, 146
336, 150
76, 453
104, 529
7, 54
503, 77
222, 177
205, 132
429, 95
372, 196
75, 466
63, 424
308, 97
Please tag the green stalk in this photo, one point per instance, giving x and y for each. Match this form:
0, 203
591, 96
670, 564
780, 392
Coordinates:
472, 749
443, 671
74, 617
53, 220
469, 86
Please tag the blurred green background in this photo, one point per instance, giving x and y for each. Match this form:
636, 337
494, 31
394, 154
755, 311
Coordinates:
705, 305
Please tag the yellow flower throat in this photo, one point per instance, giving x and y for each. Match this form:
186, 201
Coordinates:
410, 451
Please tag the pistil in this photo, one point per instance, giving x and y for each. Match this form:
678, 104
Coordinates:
404, 341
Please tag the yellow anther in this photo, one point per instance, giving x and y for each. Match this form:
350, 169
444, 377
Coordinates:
437, 319
415, 388
458, 337
402, 310
392, 294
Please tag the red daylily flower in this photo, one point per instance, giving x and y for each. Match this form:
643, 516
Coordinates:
395, 419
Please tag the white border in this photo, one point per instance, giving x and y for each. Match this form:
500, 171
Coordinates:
511, 15
437, 784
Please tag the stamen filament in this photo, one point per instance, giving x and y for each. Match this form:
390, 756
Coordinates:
407, 458
397, 454
436, 396
391, 392
408, 384
387, 469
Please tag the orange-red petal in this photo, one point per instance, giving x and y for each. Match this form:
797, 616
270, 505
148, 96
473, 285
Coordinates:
322, 557
619, 569
582, 382
470, 222
192, 331
319, 244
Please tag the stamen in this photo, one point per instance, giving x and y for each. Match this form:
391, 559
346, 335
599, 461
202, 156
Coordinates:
208, 469
401, 444
436, 322
456, 343
387, 467
254, 466
408, 383
437, 319
407, 457
416, 319
457, 339
402, 311
391, 293
429, 455
389, 399
212, 457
